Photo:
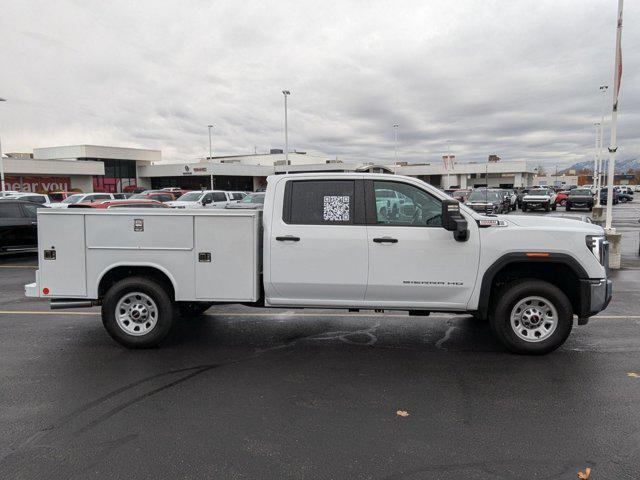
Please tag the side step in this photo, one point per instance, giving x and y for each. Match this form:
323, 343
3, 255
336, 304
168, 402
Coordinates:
70, 303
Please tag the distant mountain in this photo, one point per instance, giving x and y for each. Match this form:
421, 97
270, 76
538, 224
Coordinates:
622, 166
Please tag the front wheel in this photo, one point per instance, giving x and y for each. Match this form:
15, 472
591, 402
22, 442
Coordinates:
532, 317
138, 312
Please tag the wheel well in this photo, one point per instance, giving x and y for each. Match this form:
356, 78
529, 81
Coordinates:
558, 274
119, 273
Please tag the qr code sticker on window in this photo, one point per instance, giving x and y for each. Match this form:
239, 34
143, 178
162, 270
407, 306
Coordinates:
336, 208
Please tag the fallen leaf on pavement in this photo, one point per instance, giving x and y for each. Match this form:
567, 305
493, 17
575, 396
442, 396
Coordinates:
585, 475
402, 413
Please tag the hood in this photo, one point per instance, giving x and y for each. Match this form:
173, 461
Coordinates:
177, 203
556, 223
59, 205
537, 196
582, 198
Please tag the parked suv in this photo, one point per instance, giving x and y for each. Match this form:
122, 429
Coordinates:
18, 226
39, 198
579, 198
488, 201
539, 198
82, 197
203, 199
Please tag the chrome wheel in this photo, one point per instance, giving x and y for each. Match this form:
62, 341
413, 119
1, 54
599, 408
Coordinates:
136, 313
534, 319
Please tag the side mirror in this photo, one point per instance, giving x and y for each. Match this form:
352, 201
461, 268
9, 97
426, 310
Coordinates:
454, 221
206, 201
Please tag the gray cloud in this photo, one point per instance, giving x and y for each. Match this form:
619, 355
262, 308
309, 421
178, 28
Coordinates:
519, 79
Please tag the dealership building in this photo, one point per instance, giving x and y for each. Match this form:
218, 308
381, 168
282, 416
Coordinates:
116, 169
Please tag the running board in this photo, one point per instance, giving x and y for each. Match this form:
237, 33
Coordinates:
60, 304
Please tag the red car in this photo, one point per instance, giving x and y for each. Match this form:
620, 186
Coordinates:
128, 203
158, 196
561, 198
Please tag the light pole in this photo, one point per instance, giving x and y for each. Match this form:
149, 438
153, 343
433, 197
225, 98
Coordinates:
210, 154
2, 161
286, 93
395, 140
449, 164
596, 165
603, 89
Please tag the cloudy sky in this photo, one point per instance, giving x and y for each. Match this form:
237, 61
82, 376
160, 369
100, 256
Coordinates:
515, 78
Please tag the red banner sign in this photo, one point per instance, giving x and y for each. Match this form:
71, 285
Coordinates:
37, 184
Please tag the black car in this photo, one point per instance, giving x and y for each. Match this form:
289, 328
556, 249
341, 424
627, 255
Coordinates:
579, 198
18, 226
603, 197
488, 201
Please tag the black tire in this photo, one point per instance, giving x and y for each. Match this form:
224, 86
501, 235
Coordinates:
568, 208
590, 208
164, 312
547, 207
623, 200
193, 309
554, 207
517, 291
524, 207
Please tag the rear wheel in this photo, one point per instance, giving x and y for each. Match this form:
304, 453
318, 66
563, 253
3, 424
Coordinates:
547, 207
532, 317
568, 208
137, 312
554, 207
524, 207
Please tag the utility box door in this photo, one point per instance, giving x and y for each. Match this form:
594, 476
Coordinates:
226, 258
64, 275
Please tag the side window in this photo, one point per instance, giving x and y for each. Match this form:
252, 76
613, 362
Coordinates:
219, 197
30, 211
322, 202
208, 197
10, 210
405, 205
103, 196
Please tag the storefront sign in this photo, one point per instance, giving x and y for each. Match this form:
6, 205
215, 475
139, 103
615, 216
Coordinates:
37, 184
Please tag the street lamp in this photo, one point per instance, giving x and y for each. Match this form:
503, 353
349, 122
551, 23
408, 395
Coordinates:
286, 93
1, 160
210, 153
596, 167
395, 139
603, 89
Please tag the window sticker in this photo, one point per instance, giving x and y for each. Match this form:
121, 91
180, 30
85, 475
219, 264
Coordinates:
336, 208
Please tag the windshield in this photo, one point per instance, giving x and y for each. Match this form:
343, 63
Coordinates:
580, 192
253, 198
73, 199
190, 197
138, 196
484, 196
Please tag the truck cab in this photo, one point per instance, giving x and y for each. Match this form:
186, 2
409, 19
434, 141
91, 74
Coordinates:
333, 240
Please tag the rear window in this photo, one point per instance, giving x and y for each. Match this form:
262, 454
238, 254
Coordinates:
56, 197
323, 202
9, 210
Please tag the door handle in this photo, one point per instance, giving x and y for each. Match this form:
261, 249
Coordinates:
385, 240
288, 238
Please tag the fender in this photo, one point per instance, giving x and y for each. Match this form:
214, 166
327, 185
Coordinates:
94, 293
521, 257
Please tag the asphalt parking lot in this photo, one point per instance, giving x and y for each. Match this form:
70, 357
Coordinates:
249, 393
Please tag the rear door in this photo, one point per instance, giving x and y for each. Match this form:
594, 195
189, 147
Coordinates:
413, 261
318, 243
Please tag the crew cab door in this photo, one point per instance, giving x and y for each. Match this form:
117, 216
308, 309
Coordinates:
317, 243
413, 261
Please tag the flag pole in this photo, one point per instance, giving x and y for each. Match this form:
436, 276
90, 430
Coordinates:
613, 147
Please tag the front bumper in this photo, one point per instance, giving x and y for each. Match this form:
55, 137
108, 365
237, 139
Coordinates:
595, 295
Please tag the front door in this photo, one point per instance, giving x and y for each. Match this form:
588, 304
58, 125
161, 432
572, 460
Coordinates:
318, 249
413, 261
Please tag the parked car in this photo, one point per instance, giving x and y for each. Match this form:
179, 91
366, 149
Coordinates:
237, 195
252, 201
561, 197
39, 198
56, 197
603, 197
624, 189
18, 226
513, 198
520, 193
461, 195
579, 198
8, 193
127, 203
158, 196
82, 197
624, 197
537, 198
202, 199
487, 201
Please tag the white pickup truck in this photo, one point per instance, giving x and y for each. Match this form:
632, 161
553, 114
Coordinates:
327, 241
